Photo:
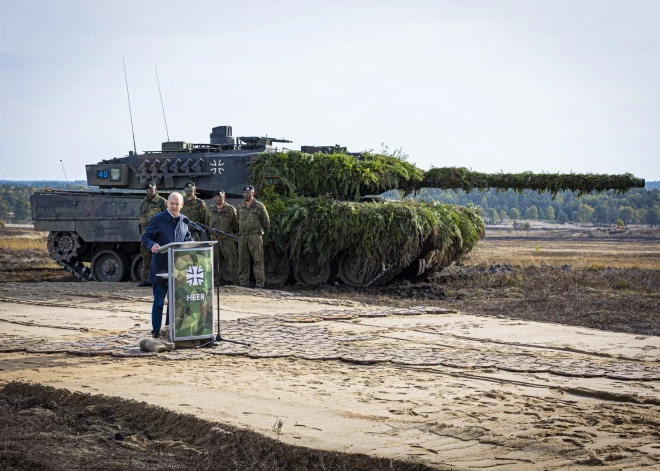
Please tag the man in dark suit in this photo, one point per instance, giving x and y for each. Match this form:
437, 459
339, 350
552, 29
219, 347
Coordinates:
164, 228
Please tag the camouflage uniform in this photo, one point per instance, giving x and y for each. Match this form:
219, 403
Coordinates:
195, 210
225, 220
253, 220
148, 209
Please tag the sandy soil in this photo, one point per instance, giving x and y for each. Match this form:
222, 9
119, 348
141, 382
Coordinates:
441, 388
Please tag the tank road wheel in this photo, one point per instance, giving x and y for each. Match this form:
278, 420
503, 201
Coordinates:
110, 266
352, 271
277, 270
312, 274
136, 268
64, 246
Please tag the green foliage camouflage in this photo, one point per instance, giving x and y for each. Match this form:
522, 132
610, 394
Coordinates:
467, 180
347, 177
339, 175
311, 200
392, 233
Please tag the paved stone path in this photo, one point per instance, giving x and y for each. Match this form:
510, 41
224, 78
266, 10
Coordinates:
307, 336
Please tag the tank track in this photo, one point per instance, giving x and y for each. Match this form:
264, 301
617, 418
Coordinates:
77, 269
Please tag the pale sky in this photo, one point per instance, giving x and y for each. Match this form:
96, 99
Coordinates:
493, 85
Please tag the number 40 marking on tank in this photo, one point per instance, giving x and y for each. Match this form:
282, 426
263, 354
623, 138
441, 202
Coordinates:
217, 166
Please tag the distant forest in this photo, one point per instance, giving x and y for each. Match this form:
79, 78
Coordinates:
640, 206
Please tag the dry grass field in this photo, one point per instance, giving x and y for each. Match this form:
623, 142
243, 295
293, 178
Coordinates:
24, 256
19, 238
578, 251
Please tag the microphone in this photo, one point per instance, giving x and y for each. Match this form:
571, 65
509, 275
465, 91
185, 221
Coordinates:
187, 221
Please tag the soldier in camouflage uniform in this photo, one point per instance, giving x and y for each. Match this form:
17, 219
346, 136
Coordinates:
152, 204
253, 220
222, 216
194, 209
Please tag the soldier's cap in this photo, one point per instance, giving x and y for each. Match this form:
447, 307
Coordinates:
248, 188
151, 185
190, 185
219, 193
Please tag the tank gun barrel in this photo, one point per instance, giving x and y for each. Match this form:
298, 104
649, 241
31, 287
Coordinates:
272, 139
344, 176
458, 178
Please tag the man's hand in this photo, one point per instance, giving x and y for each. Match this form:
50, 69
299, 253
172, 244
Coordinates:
154, 248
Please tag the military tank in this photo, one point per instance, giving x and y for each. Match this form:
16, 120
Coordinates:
328, 221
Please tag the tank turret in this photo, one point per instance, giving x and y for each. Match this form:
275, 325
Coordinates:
220, 164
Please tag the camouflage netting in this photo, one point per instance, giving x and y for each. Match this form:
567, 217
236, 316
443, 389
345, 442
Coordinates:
467, 180
394, 233
302, 191
347, 177
338, 175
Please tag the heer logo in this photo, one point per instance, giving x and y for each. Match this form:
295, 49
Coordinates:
195, 276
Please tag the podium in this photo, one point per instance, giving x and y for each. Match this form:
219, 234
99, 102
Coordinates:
190, 290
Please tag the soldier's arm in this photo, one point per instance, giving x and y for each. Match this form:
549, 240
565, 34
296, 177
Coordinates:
163, 204
142, 210
233, 221
205, 211
265, 219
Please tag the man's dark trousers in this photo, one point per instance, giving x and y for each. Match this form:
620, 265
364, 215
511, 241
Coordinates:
160, 292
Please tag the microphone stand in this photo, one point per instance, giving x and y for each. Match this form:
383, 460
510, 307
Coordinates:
218, 337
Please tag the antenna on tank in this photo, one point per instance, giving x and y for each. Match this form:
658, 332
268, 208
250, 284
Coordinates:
67, 180
130, 113
161, 105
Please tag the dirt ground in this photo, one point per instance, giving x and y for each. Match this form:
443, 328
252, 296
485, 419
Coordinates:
507, 364
427, 386
620, 300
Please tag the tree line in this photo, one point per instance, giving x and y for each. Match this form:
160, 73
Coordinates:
639, 206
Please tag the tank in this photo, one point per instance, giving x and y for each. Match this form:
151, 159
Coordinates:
328, 221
